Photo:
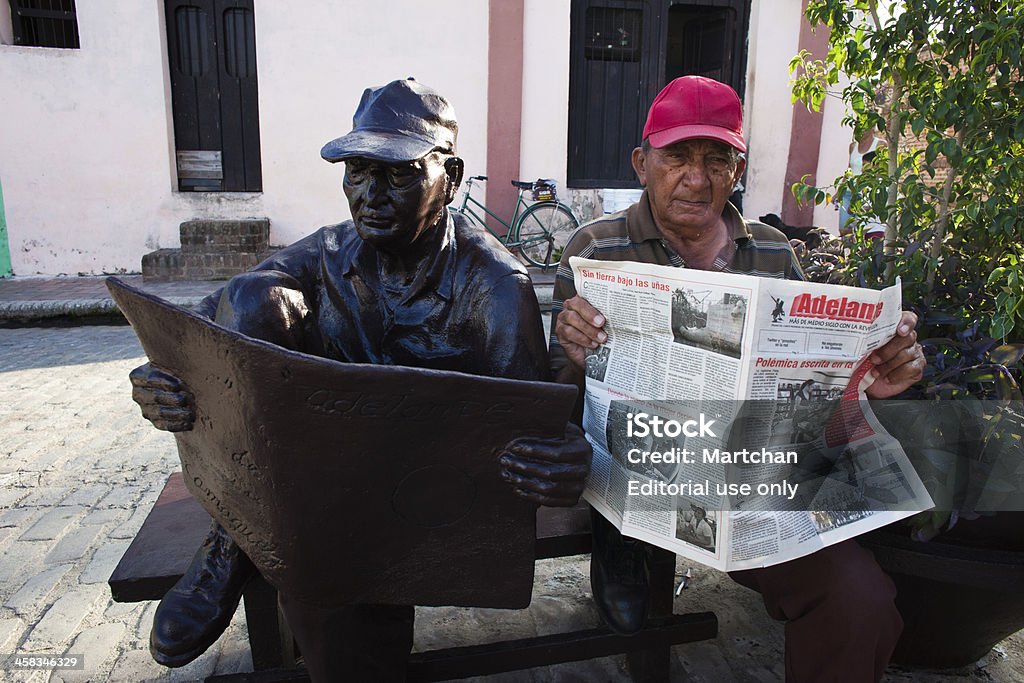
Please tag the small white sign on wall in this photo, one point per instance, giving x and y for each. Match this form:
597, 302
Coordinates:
616, 200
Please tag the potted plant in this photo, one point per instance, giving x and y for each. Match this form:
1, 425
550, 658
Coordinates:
942, 83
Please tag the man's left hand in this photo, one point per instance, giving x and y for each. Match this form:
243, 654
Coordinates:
548, 471
899, 363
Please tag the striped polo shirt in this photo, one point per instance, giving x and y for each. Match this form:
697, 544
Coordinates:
632, 235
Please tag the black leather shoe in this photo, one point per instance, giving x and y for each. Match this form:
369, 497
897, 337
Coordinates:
197, 609
619, 576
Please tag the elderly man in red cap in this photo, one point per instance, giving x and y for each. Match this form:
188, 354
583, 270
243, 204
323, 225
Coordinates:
842, 623
405, 282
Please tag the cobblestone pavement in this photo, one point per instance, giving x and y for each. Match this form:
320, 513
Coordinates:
81, 469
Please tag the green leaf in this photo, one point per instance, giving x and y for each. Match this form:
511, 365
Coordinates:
965, 86
999, 326
996, 275
1007, 354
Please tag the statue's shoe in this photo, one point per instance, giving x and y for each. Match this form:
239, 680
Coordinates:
196, 610
619, 577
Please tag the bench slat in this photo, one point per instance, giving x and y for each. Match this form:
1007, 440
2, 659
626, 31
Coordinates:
173, 531
177, 525
164, 546
514, 655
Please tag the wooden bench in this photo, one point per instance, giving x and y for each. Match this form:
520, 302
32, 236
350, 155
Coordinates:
175, 528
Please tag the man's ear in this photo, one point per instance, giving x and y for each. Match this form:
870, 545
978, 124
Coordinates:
454, 167
741, 165
639, 160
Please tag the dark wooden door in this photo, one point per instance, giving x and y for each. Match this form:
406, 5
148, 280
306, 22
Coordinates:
708, 39
622, 52
614, 70
212, 55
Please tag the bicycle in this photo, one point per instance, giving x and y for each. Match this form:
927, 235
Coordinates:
539, 230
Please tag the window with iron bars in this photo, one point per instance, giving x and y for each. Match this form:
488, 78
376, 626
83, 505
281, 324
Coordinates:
44, 23
613, 34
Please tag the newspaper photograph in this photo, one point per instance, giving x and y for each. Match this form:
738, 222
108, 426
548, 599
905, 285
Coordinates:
728, 415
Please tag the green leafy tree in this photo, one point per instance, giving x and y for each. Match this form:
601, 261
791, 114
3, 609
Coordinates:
941, 82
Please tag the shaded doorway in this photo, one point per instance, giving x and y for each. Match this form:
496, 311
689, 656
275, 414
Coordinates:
211, 48
622, 52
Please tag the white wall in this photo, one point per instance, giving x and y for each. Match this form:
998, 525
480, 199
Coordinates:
545, 123
86, 157
833, 159
313, 65
83, 155
768, 113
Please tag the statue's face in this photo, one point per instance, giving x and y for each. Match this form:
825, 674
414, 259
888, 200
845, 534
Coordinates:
394, 204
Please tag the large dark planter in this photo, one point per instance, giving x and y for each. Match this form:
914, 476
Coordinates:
956, 601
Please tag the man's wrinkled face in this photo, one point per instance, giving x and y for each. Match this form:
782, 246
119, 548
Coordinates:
688, 183
394, 204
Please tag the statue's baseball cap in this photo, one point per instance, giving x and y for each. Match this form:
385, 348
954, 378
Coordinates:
692, 107
401, 121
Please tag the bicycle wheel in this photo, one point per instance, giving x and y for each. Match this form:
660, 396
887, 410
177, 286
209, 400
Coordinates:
543, 232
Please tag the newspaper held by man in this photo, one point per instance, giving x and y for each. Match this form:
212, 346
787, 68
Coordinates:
728, 414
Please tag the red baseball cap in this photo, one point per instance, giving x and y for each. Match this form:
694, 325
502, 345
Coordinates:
695, 107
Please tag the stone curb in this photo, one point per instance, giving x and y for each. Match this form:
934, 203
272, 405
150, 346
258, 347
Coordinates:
28, 311
82, 311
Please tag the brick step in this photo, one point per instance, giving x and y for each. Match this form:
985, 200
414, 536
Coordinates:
205, 236
211, 249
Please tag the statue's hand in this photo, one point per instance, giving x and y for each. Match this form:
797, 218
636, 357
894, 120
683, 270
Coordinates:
163, 398
548, 471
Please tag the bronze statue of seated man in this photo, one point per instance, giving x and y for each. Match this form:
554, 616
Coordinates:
405, 282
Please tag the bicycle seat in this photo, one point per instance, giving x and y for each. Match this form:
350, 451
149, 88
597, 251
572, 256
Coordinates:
521, 185
478, 177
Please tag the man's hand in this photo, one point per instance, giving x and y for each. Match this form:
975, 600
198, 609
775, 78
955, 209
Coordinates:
548, 471
579, 328
164, 400
899, 363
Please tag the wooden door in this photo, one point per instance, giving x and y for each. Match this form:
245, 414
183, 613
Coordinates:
622, 52
614, 74
708, 39
212, 55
